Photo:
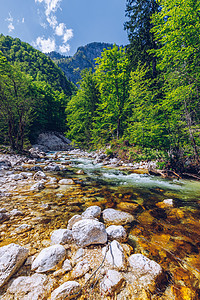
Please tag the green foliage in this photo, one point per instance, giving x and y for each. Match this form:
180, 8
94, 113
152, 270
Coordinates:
177, 28
140, 36
49, 110
112, 81
35, 63
16, 101
81, 108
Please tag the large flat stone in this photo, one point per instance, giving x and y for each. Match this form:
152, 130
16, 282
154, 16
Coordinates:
34, 287
12, 257
65, 290
48, 259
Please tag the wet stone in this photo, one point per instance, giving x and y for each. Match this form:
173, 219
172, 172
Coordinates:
3, 217
35, 287
112, 282
92, 212
116, 217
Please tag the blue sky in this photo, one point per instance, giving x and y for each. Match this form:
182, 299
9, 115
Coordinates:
64, 25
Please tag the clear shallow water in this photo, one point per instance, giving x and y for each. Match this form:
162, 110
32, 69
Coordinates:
170, 235
186, 189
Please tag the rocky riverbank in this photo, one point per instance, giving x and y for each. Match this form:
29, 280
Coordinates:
59, 240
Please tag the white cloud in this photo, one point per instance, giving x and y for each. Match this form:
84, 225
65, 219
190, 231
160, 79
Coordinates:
10, 25
50, 5
52, 20
10, 19
67, 35
59, 29
22, 20
45, 45
64, 48
44, 25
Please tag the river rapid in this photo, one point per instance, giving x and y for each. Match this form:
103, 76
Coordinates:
167, 215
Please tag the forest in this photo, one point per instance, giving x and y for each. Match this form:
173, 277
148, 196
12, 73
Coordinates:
142, 98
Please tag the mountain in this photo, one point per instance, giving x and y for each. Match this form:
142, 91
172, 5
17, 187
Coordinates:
35, 63
82, 59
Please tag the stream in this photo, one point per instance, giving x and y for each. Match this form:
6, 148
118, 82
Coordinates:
168, 234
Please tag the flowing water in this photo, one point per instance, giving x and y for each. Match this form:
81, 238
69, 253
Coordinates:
170, 235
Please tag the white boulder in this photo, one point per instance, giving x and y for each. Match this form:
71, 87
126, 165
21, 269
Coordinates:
116, 232
66, 290
116, 217
61, 236
92, 212
111, 282
34, 287
39, 175
88, 231
66, 181
12, 257
145, 270
48, 259
73, 220
115, 256
168, 202
37, 186
67, 265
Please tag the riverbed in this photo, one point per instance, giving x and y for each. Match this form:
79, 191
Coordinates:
167, 213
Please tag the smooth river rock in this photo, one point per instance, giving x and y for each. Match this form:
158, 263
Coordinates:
116, 232
48, 259
116, 217
92, 212
66, 181
12, 257
34, 287
65, 290
88, 231
73, 220
61, 236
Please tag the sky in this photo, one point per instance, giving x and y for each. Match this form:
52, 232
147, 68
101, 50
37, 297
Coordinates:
64, 25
